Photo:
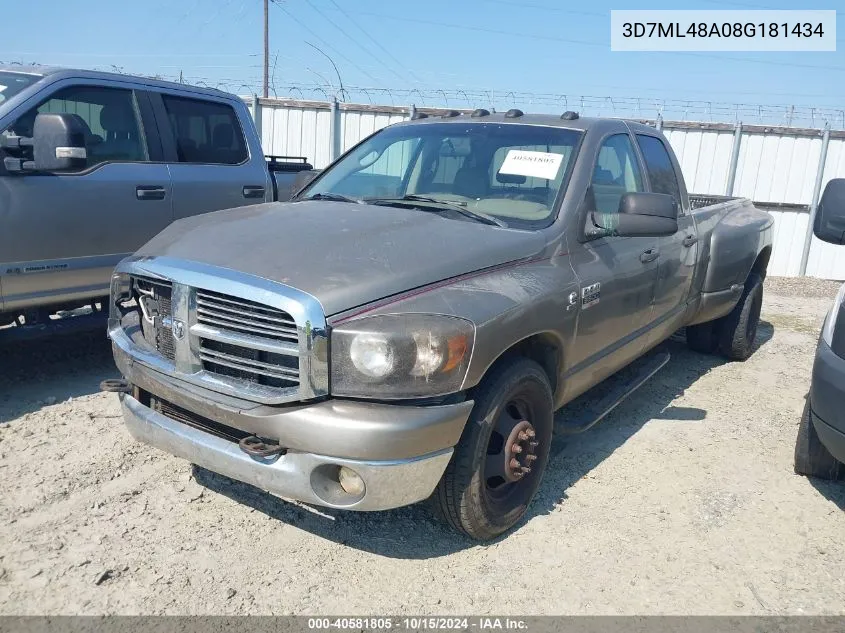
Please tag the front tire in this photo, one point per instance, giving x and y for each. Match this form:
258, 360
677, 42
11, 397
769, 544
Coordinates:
811, 457
499, 461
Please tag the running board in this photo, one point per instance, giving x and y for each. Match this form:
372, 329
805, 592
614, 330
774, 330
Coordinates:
588, 411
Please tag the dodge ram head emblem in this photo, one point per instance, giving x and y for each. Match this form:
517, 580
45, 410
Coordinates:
178, 330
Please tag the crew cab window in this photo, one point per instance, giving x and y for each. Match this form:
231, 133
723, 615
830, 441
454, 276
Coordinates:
658, 164
114, 131
206, 131
616, 173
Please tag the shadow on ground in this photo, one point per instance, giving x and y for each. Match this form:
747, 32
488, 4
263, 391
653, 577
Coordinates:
412, 532
52, 369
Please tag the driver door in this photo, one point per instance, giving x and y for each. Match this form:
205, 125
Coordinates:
617, 275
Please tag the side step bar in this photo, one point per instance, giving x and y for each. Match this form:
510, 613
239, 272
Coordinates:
589, 411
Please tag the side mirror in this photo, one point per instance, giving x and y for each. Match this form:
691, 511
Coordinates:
58, 142
830, 215
644, 215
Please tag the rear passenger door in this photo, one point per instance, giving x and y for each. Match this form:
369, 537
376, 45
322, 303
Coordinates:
676, 263
210, 162
62, 233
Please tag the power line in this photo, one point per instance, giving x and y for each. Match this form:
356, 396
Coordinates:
324, 42
266, 85
528, 5
376, 42
537, 36
356, 42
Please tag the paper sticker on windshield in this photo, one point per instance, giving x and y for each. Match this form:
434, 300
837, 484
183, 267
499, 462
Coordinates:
520, 162
2, 87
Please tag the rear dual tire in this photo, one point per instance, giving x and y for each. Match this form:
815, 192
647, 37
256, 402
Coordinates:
732, 335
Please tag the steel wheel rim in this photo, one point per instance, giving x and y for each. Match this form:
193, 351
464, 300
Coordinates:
514, 424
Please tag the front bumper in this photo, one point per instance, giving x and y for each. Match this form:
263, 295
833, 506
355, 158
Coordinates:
827, 393
294, 475
399, 451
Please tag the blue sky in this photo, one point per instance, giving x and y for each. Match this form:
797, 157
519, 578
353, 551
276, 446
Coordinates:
480, 47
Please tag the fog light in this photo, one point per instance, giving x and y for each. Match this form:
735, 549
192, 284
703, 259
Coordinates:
350, 481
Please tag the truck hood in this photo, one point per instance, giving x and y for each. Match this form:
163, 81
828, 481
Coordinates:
344, 254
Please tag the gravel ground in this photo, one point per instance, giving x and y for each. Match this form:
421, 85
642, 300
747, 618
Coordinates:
683, 501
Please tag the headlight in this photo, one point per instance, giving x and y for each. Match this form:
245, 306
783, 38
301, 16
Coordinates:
400, 356
830, 322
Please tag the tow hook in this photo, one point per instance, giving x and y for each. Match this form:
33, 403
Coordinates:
116, 385
254, 446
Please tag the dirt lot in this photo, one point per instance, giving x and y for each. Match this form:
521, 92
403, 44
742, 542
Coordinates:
683, 502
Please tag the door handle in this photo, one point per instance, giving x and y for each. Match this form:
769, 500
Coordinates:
689, 240
253, 192
649, 256
151, 192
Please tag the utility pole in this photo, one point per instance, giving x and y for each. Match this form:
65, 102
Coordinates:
266, 49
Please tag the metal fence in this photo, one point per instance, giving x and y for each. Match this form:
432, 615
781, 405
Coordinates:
782, 169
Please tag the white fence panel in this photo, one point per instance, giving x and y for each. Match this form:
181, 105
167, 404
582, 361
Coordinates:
705, 158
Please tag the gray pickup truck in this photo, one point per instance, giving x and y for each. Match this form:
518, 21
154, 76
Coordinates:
407, 327
92, 165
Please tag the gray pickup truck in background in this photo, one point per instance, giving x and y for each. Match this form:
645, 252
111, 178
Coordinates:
93, 164
407, 326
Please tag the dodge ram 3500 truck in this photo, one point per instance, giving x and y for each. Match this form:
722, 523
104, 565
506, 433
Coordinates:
406, 328
92, 165
820, 448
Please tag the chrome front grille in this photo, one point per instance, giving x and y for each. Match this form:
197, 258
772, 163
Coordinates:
233, 333
254, 365
243, 316
263, 349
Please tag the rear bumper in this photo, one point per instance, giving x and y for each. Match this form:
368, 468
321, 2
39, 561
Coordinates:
827, 394
307, 477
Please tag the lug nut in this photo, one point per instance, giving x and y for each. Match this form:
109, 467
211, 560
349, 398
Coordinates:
533, 444
523, 436
514, 464
530, 433
530, 458
525, 470
516, 448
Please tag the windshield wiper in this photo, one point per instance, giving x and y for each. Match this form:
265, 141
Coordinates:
332, 197
460, 207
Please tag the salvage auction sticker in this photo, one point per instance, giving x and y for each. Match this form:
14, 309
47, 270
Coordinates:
687, 30
520, 162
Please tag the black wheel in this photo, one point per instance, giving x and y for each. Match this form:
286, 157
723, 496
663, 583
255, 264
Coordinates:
738, 330
704, 337
499, 461
811, 457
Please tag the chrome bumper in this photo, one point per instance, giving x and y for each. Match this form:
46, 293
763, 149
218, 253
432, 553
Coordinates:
294, 475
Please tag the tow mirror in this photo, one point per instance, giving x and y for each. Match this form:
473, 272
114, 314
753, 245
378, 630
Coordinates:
830, 215
58, 142
644, 215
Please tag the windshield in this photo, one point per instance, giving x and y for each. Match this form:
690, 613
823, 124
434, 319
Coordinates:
12, 83
510, 172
